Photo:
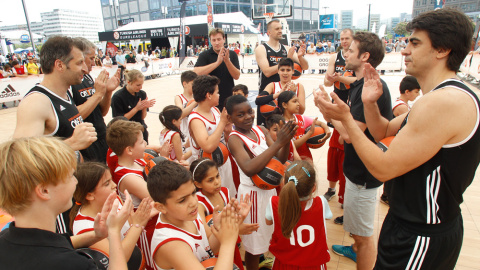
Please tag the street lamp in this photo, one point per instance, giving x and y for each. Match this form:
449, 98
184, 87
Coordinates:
325, 10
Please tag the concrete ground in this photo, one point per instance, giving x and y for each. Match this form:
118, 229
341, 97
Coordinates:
165, 88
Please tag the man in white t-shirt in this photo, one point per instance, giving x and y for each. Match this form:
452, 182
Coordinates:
107, 61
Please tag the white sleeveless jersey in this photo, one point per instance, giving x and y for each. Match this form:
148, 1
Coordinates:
226, 169
167, 137
277, 87
256, 147
399, 102
165, 232
83, 223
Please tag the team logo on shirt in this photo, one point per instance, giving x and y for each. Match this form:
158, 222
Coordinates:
196, 246
87, 92
76, 120
275, 59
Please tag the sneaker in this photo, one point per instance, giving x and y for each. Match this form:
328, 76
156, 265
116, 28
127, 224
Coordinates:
267, 263
346, 251
338, 220
329, 194
384, 199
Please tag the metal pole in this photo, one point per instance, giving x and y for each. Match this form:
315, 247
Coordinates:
115, 12
28, 25
368, 23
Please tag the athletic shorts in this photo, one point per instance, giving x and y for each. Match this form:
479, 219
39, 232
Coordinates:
335, 164
258, 242
359, 209
277, 265
403, 245
226, 176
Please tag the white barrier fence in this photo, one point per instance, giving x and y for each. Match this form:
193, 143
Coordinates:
15, 88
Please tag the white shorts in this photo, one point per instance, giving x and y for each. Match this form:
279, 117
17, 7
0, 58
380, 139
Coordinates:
226, 176
258, 242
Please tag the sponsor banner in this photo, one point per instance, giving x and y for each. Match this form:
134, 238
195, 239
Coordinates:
391, 61
15, 88
317, 61
471, 65
164, 65
188, 63
249, 62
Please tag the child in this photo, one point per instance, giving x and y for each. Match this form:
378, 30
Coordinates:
273, 124
182, 100
409, 91
240, 89
252, 148
207, 125
170, 118
125, 138
289, 107
94, 186
273, 90
299, 239
212, 196
37, 184
181, 240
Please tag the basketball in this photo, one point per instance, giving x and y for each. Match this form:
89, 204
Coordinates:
209, 220
150, 164
297, 71
267, 109
318, 133
219, 155
209, 264
149, 154
271, 176
385, 143
190, 102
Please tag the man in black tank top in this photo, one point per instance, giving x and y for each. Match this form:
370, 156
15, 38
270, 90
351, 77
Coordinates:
432, 165
269, 54
93, 101
49, 109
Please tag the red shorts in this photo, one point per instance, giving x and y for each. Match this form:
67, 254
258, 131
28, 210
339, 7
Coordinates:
335, 170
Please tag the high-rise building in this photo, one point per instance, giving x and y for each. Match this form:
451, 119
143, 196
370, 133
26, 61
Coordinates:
467, 6
346, 19
304, 18
71, 23
362, 23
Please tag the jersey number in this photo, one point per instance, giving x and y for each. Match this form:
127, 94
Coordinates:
299, 237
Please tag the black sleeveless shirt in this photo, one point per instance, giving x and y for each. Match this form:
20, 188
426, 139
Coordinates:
432, 193
339, 88
273, 58
65, 111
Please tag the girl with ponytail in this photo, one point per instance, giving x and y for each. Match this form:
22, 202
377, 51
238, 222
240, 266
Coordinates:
170, 118
299, 238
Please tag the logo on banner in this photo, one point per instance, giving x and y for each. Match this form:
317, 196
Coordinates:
116, 35
187, 30
24, 39
9, 91
169, 65
190, 64
144, 69
242, 28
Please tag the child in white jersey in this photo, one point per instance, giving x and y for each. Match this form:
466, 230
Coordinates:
186, 102
261, 150
207, 125
170, 118
409, 91
181, 240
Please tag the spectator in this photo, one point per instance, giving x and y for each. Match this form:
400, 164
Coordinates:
107, 61
400, 45
330, 48
18, 70
32, 67
131, 59
190, 52
120, 59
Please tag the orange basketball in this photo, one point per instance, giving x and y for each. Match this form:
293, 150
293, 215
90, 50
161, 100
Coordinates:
190, 102
219, 155
385, 143
150, 164
318, 133
347, 73
209, 264
271, 176
209, 220
149, 154
267, 109
297, 71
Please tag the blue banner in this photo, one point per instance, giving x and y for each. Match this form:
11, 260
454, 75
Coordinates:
327, 21
438, 4
24, 39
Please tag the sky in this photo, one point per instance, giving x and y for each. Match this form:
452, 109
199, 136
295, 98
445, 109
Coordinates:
15, 14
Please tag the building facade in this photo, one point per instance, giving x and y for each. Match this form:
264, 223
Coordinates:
346, 19
304, 17
467, 6
71, 23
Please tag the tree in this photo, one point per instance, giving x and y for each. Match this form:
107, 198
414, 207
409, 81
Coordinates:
401, 29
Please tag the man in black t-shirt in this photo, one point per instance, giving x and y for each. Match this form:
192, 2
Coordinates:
432, 165
93, 101
361, 187
220, 62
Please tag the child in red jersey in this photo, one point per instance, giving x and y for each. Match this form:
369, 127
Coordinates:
299, 239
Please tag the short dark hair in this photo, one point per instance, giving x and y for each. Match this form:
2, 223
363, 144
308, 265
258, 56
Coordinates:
285, 62
216, 31
188, 76
408, 83
232, 101
200, 167
15, 62
56, 48
273, 120
202, 85
371, 43
165, 177
447, 29
240, 87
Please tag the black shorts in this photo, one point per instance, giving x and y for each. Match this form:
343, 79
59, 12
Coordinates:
403, 245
